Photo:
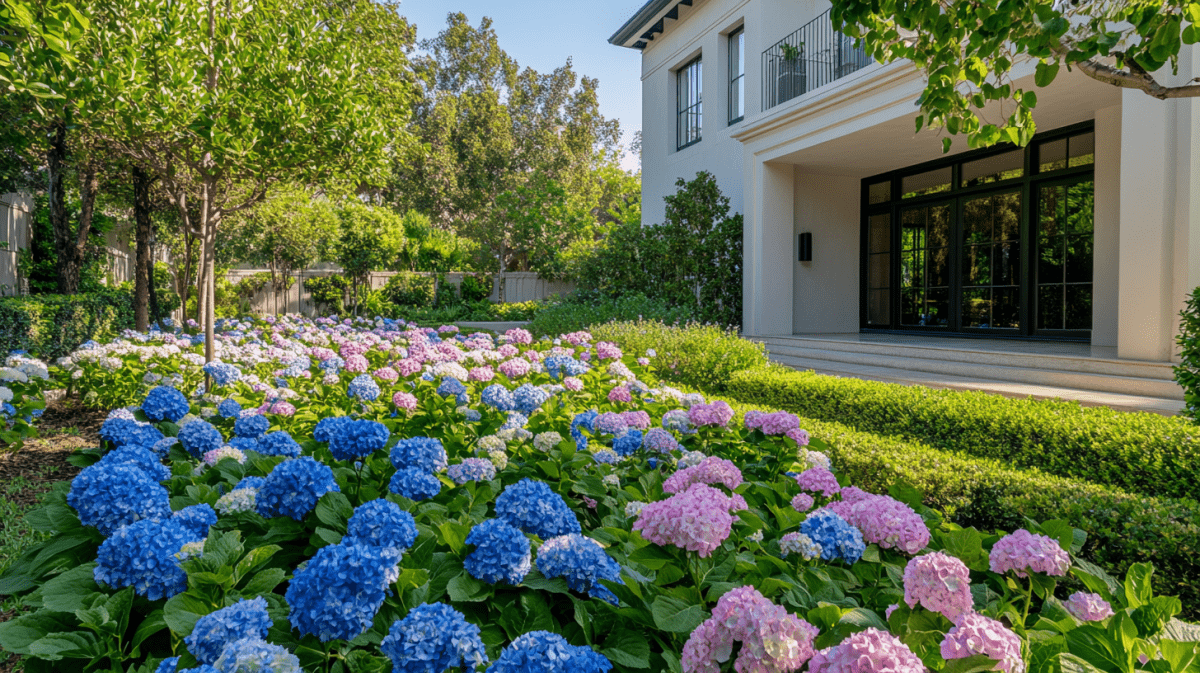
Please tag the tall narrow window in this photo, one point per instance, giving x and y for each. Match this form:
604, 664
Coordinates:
737, 76
690, 114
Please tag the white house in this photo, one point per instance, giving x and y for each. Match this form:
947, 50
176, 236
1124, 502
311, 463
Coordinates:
1059, 267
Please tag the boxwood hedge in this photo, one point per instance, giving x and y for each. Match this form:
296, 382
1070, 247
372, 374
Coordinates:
53, 325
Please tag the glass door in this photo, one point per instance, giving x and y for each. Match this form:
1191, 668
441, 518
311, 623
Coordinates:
925, 265
990, 270
1065, 242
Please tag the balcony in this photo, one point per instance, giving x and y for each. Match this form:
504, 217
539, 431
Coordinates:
808, 59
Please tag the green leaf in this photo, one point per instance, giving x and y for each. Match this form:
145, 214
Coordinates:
466, 589
454, 535
1151, 618
67, 644
1072, 663
1095, 578
535, 580
863, 618
71, 590
966, 544
334, 510
1137, 584
652, 556
182, 611
152, 624
263, 582
676, 616
625, 647
1044, 73
255, 559
972, 664
18, 634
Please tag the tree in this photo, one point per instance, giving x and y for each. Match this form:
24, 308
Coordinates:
38, 43
537, 221
371, 239
968, 49
220, 100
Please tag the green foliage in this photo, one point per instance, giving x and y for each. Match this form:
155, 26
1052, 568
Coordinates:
1140, 452
51, 326
38, 263
39, 40
328, 293
968, 51
410, 289
429, 249
290, 230
691, 260
168, 299
233, 299
475, 287
585, 310
703, 356
1187, 372
371, 239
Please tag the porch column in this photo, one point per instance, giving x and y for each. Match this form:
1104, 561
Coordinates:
768, 248
1106, 255
1187, 188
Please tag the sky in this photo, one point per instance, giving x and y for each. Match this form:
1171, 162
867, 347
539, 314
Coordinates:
542, 34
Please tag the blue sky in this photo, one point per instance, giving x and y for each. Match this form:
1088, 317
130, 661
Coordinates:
542, 34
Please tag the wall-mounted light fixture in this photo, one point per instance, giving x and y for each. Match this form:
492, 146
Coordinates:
806, 247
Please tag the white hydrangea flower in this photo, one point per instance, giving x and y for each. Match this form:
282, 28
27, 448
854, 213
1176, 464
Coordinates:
612, 480
634, 508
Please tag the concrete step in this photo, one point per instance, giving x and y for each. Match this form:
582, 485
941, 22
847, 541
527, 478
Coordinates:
1118, 401
1042, 376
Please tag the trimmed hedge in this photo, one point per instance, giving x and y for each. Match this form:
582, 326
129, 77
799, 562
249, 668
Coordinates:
704, 356
1139, 452
586, 309
52, 325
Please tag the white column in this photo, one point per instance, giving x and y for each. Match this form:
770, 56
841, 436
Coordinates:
768, 249
1187, 187
1106, 261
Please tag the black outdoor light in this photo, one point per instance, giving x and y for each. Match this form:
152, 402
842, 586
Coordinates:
806, 246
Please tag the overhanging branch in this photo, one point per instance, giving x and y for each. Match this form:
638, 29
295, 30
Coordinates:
1134, 78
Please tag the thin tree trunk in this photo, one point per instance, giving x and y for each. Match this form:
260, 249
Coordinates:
143, 266
155, 309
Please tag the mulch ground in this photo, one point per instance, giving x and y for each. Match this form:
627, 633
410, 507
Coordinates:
65, 427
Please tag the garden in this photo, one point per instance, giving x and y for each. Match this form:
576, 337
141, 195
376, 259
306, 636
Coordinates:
370, 495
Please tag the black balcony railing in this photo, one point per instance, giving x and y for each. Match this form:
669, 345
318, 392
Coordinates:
807, 59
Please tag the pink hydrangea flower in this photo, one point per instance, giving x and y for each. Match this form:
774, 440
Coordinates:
883, 520
357, 364
514, 368
976, 634
408, 366
532, 356
606, 350
698, 519
939, 582
798, 436
507, 351
774, 423
619, 394
818, 480
1088, 607
406, 401
802, 502
481, 374
645, 362
636, 419
1023, 552
278, 407
718, 413
386, 374
519, 336
573, 384
772, 639
869, 651
711, 470
577, 338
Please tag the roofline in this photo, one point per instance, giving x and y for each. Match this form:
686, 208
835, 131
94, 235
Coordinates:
639, 21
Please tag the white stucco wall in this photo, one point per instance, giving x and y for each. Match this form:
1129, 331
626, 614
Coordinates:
826, 290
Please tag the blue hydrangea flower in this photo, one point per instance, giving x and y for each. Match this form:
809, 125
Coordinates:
659, 441
433, 639
329, 426
122, 431
251, 425
165, 403
141, 457
200, 437
197, 518
472, 469
337, 594
582, 562
244, 619
545, 652
381, 523
612, 424
356, 439
560, 366
255, 655
244, 443
142, 555
364, 388
278, 443
585, 420
414, 484
332, 365
498, 397
472, 415
251, 482
229, 408
532, 507
169, 665
422, 453
838, 539
629, 442
529, 398
501, 553
606, 456
294, 487
109, 496
451, 388
514, 421
222, 373
163, 446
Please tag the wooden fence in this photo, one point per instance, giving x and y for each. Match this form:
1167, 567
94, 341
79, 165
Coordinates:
15, 228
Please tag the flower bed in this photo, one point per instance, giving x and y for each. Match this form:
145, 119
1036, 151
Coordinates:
23, 382
370, 497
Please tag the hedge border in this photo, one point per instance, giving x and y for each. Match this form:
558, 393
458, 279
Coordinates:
51, 326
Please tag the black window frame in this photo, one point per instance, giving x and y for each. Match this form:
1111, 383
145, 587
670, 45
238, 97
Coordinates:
1028, 184
697, 105
737, 80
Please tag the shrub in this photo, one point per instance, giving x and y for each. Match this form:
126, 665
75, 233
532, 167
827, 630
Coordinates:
475, 287
328, 293
1144, 453
583, 310
52, 325
1187, 372
704, 356
410, 289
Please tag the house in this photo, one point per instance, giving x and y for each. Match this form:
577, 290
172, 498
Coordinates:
1059, 268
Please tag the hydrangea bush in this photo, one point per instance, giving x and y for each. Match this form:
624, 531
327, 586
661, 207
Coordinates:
373, 496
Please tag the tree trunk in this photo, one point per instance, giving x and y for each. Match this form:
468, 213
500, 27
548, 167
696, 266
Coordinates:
155, 310
202, 276
184, 282
69, 242
143, 266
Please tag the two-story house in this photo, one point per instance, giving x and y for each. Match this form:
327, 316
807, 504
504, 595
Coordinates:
1062, 265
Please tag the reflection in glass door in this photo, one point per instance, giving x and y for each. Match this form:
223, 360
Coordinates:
991, 261
925, 265
1064, 256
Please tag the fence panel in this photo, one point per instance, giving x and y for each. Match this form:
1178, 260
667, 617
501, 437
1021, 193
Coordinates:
15, 230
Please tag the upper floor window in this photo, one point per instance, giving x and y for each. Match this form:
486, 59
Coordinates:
737, 76
690, 109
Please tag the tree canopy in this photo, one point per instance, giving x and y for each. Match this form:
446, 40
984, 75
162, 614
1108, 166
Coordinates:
968, 50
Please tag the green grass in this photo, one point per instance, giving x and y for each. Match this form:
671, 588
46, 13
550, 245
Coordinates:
15, 535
